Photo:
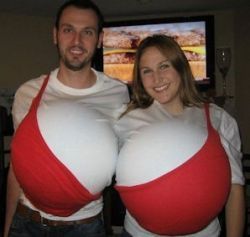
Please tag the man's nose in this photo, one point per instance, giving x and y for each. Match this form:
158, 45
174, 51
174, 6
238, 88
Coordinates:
77, 38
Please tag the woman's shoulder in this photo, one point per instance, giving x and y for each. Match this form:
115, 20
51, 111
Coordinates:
217, 112
221, 120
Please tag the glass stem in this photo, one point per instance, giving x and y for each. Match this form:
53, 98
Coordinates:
224, 86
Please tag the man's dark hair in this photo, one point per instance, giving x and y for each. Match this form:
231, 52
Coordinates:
82, 4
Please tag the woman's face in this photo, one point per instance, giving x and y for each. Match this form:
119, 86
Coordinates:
160, 79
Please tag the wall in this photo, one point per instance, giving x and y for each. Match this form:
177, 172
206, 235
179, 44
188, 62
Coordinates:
224, 37
26, 48
27, 51
242, 75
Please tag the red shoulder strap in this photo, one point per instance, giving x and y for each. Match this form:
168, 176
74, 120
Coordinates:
37, 98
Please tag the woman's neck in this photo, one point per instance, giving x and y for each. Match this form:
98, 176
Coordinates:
174, 109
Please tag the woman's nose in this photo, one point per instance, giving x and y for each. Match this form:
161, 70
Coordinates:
158, 77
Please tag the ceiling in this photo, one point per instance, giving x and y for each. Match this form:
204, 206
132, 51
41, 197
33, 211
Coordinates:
124, 8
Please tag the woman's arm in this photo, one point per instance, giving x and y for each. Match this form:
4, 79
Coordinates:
228, 129
235, 211
13, 193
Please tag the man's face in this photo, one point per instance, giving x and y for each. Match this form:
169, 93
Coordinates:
77, 37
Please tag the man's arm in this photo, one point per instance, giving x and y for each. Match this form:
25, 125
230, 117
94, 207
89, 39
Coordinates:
235, 212
13, 193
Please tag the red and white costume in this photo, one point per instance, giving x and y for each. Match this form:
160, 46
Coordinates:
64, 149
173, 173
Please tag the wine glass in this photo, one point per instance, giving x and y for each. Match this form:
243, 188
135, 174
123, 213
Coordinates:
223, 60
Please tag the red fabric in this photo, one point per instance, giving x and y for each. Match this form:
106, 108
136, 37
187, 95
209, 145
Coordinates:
186, 199
46, 182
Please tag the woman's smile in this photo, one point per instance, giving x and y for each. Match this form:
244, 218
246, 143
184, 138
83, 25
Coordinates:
161, 88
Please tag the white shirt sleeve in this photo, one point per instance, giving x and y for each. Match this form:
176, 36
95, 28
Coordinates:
228, 130
20, 108
23, 99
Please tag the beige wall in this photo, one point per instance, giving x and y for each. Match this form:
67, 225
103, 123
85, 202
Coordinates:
27, 51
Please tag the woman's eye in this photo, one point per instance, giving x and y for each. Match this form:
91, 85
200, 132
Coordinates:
145, 71
164, 66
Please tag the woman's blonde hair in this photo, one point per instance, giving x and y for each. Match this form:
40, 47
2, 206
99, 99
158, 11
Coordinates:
169, 48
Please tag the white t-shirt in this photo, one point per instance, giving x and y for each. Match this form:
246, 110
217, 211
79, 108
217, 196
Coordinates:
77, 126
135, 164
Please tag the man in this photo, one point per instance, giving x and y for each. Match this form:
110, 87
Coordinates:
64, 149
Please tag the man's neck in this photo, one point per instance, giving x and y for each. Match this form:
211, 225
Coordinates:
84, 78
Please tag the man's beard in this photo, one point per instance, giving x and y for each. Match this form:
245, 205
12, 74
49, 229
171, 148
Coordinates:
73, 64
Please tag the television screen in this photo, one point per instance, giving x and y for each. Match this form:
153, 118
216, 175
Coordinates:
194, 35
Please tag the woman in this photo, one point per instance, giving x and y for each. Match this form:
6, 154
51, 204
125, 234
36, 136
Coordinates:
180, 161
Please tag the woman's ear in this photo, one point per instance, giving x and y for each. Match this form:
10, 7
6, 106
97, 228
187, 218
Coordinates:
55, 35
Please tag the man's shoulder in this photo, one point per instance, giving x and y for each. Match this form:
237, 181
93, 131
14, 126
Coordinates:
31, 86
110, 80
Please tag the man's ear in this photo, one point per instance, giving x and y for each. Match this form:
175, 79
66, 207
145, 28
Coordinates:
55, 35
100, 40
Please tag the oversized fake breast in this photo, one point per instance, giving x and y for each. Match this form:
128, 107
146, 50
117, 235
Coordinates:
157, 149
173, 177
82, 139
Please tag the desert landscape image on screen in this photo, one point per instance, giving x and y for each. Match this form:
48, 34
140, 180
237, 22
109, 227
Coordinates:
120, 44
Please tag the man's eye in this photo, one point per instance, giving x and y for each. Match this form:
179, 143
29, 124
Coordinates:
89, 32
67, 30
